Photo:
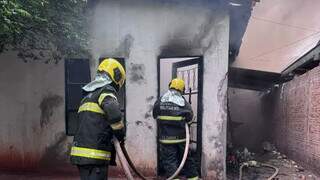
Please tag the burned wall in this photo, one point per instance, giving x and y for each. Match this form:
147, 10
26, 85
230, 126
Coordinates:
32, 126
296, 122
143, 30
247, 121
32, 131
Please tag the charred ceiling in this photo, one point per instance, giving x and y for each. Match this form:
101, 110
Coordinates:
252, 79
262, 80
308, 61
240, 12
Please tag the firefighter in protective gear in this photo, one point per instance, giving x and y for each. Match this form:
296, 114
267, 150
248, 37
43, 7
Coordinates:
100, 119
172, 111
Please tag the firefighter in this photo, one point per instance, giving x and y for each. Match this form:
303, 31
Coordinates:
100, 119
172, 111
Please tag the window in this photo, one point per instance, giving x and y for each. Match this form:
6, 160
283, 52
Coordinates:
77, 74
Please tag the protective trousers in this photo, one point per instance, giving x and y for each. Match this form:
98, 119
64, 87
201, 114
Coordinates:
170, 159
93, 172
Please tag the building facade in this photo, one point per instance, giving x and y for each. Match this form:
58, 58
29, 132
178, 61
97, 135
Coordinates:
32, 99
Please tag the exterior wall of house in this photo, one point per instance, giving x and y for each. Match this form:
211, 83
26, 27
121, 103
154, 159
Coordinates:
32, 131
142, 31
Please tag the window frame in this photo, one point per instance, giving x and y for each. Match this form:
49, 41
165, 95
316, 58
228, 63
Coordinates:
68, 110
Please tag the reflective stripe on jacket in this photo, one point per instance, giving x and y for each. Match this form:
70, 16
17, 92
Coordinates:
171, 119
99, 115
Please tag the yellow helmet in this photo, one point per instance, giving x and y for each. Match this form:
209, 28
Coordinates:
177, 84
114, 69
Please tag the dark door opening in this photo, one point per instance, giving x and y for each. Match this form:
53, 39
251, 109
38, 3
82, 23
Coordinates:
190, 69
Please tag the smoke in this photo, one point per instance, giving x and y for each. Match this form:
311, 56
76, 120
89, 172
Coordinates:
203, 38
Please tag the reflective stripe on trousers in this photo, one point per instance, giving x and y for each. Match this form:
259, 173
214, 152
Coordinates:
194, 178
172, 141
90, 153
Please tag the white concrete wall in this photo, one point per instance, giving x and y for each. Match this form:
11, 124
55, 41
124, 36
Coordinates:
141, 31
32, 126
32, 130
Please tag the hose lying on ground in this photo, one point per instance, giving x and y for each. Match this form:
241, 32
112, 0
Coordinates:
185, 154
122, 159
257, 164
271, 166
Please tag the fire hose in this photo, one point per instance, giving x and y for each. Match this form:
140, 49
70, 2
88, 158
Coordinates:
258, 164
126, 162
185, 154
122, 159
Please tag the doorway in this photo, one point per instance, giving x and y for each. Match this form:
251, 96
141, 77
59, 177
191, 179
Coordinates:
190, 69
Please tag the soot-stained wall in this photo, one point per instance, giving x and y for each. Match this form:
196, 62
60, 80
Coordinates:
32, 131
247, 121
296, 122
32, 126
143, 30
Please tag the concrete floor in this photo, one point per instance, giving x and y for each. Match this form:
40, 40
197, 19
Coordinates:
23, 177
58, 173
53, 175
